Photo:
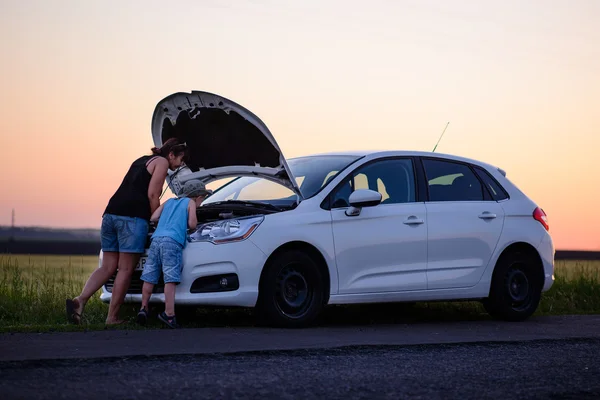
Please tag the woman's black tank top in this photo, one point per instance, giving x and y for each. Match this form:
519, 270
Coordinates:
131, 198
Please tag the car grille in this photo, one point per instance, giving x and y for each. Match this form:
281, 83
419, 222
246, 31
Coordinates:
136, 284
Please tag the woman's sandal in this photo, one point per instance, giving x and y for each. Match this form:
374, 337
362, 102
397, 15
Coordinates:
72, 316
115, 324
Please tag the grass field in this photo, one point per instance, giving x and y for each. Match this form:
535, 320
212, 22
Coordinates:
33, 290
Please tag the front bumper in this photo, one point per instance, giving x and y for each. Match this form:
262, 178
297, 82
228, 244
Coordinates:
243, 259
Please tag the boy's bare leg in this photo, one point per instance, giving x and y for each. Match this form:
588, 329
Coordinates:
127, 263
146, 293
170, 299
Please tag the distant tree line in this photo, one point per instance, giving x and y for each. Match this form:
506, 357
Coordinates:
20, 233
56, 247
92, 247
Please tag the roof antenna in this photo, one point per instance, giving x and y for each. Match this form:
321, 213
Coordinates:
438, 142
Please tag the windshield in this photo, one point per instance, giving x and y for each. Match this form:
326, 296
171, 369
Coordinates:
311, 173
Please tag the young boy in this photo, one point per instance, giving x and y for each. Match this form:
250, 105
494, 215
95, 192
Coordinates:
174, 217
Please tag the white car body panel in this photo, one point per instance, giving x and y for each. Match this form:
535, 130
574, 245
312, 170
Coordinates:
306, 225
377, 252
204, 259
546, 250
460, 243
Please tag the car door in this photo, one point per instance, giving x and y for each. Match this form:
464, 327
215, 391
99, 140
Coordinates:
464, 224
384, 247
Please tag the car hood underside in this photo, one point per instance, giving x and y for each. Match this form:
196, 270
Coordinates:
223, 138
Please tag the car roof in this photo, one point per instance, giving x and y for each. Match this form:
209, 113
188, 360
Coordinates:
391, 153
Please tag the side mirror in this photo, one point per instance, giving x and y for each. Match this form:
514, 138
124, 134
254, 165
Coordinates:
362, 198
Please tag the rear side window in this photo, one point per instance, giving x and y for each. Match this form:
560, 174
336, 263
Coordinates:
498, 193
452, 181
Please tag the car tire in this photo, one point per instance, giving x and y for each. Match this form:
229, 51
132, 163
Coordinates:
516, 287
291, 292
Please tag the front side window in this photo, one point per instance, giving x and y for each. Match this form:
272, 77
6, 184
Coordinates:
452, 181
393, 178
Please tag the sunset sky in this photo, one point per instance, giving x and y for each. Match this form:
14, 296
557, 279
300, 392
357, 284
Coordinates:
518, 80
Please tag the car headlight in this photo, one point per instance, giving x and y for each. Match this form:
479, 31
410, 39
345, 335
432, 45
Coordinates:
227, 231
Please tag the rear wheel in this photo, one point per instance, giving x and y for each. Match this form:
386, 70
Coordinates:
516, 287
291, 291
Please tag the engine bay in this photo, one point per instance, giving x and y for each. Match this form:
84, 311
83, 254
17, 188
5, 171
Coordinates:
217, 212
226, 210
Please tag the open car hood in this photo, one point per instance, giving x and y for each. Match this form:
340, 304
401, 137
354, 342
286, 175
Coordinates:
223, 138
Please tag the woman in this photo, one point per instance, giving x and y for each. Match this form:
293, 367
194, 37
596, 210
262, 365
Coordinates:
125, 224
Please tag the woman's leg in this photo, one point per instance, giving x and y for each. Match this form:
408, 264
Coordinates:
110, 260
127, 262
97, 279
132, 233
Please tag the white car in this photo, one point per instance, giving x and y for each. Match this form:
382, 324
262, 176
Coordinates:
292, 236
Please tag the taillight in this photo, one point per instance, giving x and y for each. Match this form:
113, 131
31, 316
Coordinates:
540, 216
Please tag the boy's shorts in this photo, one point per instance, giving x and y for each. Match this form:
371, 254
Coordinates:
164, 254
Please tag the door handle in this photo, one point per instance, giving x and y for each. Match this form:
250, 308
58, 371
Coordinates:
412, 220
487, 215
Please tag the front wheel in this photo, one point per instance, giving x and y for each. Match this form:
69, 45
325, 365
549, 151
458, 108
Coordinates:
291, 292
516, 288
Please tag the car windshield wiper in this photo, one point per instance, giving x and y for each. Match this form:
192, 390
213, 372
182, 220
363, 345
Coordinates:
249, 203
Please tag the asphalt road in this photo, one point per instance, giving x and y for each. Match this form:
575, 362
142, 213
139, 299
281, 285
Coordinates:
518, 370
552, 357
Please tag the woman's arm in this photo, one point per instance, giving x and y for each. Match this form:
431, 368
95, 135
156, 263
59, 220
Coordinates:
158, 168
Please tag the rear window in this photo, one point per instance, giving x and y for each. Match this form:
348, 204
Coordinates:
452, 181
498, 193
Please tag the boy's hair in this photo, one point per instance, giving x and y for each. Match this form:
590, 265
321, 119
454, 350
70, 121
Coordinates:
194, 188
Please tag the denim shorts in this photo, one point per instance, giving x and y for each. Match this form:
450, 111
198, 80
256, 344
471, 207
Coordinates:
123, 234
164, 255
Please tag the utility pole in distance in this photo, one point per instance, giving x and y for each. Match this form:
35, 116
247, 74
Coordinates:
12, 226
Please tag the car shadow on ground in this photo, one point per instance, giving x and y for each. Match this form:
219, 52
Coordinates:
332, 316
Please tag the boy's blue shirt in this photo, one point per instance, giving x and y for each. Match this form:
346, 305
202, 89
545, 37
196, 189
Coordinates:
173, 220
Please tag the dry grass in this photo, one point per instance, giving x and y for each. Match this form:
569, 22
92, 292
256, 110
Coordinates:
33, 290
